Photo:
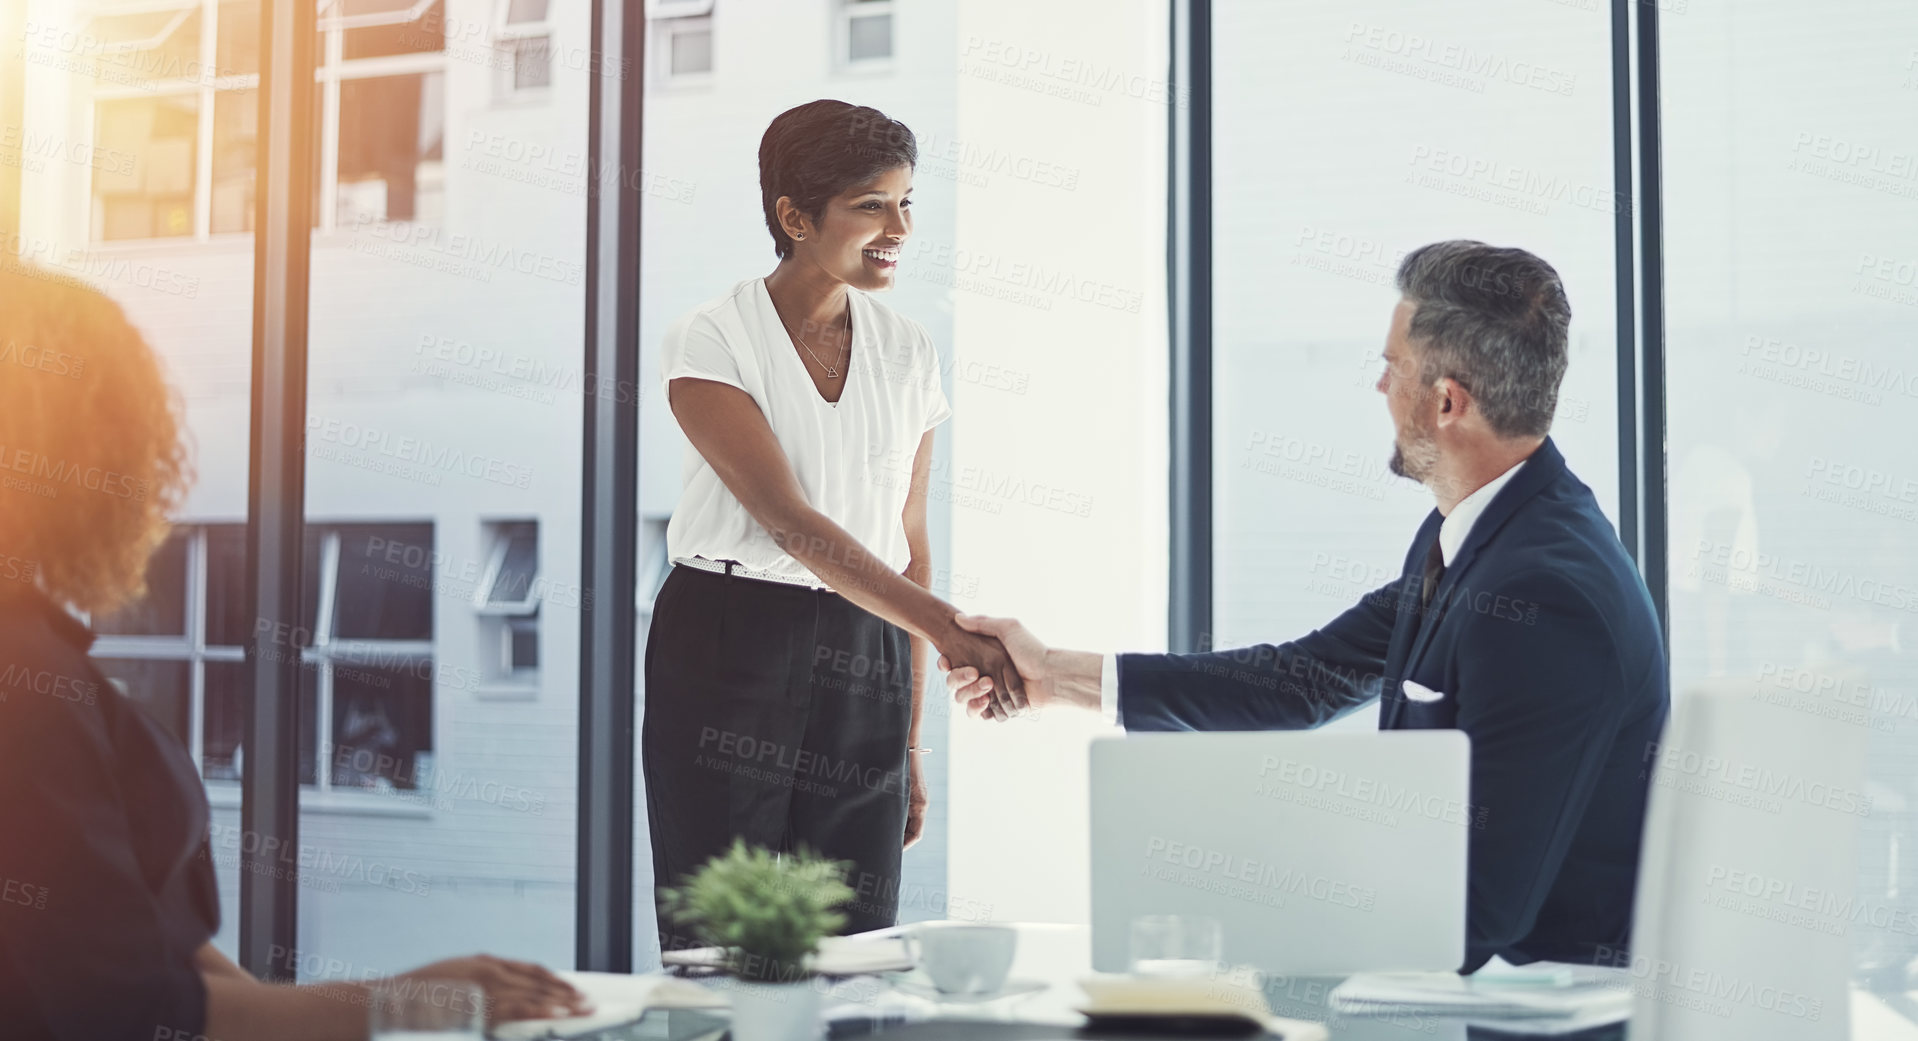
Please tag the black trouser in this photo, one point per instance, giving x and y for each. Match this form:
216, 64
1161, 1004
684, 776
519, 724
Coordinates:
777, 714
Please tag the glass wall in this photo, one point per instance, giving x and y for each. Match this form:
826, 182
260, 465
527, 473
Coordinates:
439, 635
443, 482
1034, 131
1791, 185
720, 73
1343, 138
135, 151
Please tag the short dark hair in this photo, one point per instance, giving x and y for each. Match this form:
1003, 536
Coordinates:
1496, 320
814, 152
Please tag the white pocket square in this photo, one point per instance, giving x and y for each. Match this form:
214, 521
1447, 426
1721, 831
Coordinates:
1416, 691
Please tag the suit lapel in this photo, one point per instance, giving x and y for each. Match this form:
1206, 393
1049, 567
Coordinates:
1540, 470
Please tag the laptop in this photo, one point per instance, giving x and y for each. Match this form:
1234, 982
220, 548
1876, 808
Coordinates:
1318, 854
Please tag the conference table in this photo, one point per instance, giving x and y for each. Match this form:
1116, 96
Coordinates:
1058, 956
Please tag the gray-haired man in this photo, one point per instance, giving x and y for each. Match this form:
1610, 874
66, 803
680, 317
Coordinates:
1518, 618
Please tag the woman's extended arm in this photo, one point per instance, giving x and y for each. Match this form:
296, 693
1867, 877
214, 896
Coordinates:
729, 431
241, 1008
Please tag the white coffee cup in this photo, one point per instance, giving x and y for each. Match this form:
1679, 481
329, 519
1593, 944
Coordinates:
963, 957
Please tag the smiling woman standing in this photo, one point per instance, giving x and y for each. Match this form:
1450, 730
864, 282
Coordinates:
786, 659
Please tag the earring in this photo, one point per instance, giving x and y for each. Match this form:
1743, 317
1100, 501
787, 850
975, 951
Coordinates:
801, 235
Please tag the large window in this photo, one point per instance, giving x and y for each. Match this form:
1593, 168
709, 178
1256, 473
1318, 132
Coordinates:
1343, 138
445, 331
437, 644
1792, 287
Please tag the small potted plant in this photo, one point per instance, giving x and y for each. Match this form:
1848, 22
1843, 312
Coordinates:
768, 912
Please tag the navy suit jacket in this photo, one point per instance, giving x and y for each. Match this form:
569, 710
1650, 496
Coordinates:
1544, 644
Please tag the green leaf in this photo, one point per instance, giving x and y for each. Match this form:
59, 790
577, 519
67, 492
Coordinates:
768, 910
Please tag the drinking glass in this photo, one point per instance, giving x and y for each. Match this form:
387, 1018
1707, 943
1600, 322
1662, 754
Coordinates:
1175, 945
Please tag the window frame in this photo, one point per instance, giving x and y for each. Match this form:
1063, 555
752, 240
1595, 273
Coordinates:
498, 621
183, 9
340, 23
500, 535
668, 28
204, 88
332, 69
335, 68
325, 653
189, 646
506, 34
848, 11
660, 10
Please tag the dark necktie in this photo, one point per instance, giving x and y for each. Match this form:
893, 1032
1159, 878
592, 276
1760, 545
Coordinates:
1434, 571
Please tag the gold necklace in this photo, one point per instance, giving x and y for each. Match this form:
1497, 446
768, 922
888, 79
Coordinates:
832, 371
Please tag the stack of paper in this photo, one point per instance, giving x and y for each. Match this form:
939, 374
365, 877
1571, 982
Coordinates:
1550, 997
616, 999
837, 956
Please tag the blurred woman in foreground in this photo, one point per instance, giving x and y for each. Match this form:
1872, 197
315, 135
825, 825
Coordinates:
108, 903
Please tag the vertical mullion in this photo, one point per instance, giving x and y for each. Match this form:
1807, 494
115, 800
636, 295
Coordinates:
1654, 561
609, 520
324, 750
330, 129
1625, 279
1189, 299
203, 141
276, 487
196, 645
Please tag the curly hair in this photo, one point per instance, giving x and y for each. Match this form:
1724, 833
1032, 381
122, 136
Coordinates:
92, 456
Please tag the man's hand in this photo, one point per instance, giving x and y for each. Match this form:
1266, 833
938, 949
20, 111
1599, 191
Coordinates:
514, 989
983, 655
974, 689
916, 800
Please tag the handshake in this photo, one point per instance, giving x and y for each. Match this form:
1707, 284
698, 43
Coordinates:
997, 669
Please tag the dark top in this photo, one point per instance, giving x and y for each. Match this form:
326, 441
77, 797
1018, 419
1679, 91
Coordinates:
106, 884
1543, 648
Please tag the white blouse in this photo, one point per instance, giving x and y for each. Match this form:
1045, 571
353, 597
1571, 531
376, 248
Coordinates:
853, 459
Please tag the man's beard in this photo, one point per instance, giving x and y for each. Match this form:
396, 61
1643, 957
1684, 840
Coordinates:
1417, 459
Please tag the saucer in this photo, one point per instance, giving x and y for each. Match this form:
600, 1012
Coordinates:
921, 988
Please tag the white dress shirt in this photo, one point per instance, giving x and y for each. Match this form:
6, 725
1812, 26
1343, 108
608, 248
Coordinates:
853, 457
1453, 531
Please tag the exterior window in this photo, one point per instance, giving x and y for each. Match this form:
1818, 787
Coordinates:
380, 106
684, 31
865, 33
507, 599
391, 151
236, 121
163, 611
365, 646
157, 71
236, 46
525, 42
385, 28
144, 187
156, 42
